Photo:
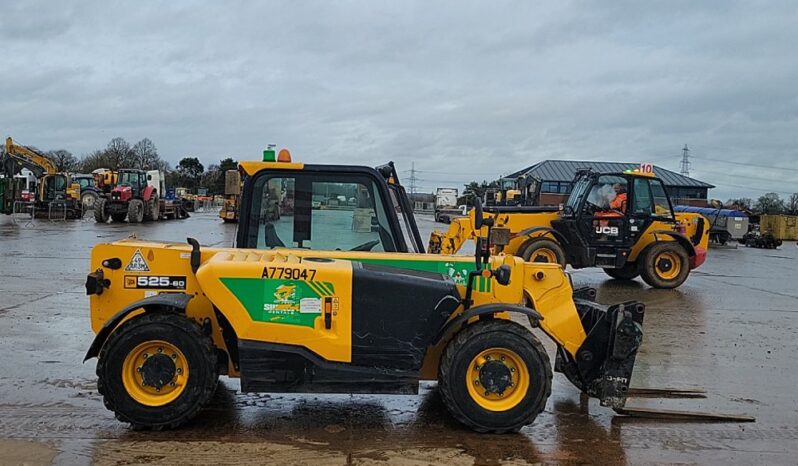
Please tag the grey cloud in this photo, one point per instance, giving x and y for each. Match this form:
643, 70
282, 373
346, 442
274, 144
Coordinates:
472, 89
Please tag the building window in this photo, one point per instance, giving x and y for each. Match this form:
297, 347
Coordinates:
555, 187
688, 193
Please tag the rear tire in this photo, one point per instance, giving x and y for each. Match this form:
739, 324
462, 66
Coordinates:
543, 250
627, 272
128, 372
101, 211
135, 211
88, 200
520, 367
665, 264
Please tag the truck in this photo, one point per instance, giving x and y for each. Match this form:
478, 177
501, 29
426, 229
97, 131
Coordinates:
446, 205
170, 205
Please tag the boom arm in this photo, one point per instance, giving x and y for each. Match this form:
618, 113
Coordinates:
460, 231
30, 159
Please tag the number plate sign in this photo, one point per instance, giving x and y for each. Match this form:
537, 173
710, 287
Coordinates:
156, 282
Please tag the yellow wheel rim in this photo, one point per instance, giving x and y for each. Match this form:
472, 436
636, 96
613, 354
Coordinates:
668, 265
543, 255
497, 379
155, 373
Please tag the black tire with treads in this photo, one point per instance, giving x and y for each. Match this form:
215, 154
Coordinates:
453, 375
135, 211
201, 358
528, 250
648, 270
101, 211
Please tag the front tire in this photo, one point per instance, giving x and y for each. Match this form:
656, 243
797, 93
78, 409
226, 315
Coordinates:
543, 250
665, 265
157, 371
101, 211
135, 211
495, 376
152, 209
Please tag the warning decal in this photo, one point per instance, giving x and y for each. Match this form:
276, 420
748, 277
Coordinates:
137, 263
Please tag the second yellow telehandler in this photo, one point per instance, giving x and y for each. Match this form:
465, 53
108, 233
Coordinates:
621, 222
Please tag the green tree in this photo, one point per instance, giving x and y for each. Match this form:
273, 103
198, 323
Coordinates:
224, 166
189, 171
475, 190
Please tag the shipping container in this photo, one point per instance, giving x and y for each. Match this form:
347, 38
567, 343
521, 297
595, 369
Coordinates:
783, 227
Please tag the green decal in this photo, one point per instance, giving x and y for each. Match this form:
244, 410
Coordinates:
291, 302
457, 270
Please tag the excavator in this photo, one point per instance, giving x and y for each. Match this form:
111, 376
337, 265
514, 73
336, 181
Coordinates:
336, 295
621, 222
56, 193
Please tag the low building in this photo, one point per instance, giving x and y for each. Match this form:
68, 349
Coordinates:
556, 177
422, 202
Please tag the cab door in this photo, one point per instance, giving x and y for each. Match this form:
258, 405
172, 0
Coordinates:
604, 222
650, 203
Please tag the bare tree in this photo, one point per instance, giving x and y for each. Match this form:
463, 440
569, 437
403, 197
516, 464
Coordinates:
63, 159
119, 154
145, 155
743, 203
792, 204
770, 203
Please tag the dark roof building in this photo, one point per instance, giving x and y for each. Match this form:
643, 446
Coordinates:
556, 177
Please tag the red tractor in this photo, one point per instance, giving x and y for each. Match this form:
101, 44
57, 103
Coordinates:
132, 197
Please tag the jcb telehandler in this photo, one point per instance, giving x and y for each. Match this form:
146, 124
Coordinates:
621, 222
323, 295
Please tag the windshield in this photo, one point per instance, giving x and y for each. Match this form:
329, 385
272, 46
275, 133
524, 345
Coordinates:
580, 188
128, 178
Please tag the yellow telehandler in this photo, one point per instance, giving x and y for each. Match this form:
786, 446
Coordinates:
621, 222
323, 295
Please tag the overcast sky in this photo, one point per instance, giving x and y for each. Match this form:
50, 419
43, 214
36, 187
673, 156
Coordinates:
464, 90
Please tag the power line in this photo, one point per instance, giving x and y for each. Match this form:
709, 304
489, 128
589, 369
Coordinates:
752, 188
744, 164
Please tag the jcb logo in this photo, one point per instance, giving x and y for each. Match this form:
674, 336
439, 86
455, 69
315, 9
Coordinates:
610, 231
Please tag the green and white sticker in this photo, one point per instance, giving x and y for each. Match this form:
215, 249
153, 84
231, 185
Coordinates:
291, 302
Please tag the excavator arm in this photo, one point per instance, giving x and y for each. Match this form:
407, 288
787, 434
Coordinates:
30, 159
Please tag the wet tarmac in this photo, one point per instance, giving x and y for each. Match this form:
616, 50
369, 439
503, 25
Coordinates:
731, 329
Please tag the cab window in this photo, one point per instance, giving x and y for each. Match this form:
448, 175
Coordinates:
651, 198
662, 205
312, 211
643, 204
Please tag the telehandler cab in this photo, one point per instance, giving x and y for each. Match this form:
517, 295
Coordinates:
621, 222
322, 295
